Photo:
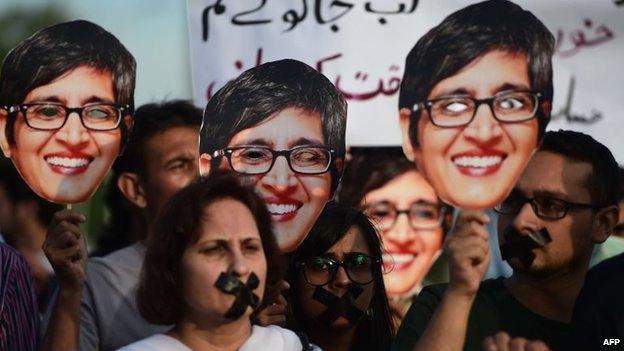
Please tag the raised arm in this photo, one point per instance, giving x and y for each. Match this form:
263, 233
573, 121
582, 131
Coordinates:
468, 253
66, 250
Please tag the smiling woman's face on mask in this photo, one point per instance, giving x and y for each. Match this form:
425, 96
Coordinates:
476, 165
293, 199
412, 239
66, 165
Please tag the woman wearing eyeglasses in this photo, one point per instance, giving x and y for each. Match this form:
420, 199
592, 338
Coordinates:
281, 126
64, 153
338, 297
70, 108
410, 219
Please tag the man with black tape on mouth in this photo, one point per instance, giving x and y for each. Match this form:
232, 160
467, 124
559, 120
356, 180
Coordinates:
338, 297
559, 208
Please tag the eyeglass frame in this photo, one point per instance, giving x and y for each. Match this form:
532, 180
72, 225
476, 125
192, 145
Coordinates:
227, 153
336, 265
567, 207
69, 110
406, 211
426, 105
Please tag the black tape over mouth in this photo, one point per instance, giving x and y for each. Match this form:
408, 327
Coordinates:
339, 306
243, 293
521, 245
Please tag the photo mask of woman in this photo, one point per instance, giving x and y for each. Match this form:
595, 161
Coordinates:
475, 101
68, 91
406, 212
280, 126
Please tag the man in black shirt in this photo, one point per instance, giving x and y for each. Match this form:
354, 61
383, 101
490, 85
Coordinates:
598, 318
564, 203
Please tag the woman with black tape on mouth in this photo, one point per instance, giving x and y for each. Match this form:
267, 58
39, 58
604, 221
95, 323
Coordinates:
338, 297
211, 261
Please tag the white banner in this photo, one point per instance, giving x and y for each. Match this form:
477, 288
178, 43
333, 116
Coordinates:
361, 47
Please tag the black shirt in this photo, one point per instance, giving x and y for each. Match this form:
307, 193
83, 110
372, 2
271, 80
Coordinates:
494, 309
599, 310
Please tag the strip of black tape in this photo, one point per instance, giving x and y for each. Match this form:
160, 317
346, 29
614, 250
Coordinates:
339, 306
242, 292
521, 246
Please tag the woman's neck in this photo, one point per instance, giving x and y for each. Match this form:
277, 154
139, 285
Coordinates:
203, 335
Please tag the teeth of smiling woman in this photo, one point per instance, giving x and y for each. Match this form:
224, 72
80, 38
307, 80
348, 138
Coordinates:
398, 258
68, 162
281, 209
478, 162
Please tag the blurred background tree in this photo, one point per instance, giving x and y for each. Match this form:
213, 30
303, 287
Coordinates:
18, 23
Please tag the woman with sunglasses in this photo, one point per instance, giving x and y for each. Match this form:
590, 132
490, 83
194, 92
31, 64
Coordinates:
338, 297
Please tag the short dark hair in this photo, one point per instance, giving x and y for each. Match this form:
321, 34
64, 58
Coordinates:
160, 294
332, 225
603, 182
263, 91
371, 168
149, 120
468, 34
53, 51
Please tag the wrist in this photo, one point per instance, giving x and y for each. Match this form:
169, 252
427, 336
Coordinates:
461, 293
70, 291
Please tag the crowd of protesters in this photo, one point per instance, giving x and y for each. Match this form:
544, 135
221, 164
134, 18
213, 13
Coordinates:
250, 226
